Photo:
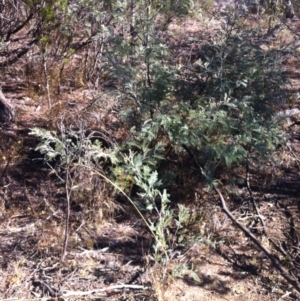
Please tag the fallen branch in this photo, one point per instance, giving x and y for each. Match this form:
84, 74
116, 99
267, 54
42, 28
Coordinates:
275, 261
68, 187
253, 200
66, 293
265, 232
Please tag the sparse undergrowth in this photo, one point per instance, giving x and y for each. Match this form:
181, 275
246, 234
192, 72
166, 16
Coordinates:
138, 133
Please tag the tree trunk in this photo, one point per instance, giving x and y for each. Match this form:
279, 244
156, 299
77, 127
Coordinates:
6, 110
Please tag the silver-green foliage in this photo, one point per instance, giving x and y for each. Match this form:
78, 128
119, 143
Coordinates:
156, 199
221, 104
72, 147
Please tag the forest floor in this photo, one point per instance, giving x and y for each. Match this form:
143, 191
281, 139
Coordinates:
108, 259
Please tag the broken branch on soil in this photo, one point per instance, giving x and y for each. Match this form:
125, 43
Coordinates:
265, 232
275, 261
67, 293
68, 186
253, 200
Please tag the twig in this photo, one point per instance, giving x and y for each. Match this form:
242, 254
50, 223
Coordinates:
275, 261
92, 252
17, 230
68, 195
285, 295
5, 170
265, 232
66, 293
27, 299
47, 79
253, 200
53, 292
292, 152
54, 171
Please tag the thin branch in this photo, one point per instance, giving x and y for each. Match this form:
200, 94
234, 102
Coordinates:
253, 200
275, 261
68, 187
103, 290
47, 78
265, 232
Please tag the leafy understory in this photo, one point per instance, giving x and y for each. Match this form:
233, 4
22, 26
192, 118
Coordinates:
148, 135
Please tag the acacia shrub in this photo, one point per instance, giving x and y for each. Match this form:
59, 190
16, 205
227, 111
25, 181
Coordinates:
221, 106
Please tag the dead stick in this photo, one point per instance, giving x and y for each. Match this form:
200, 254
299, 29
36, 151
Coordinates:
276, 262
68, 187
102, 290
265, 232
253, 200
